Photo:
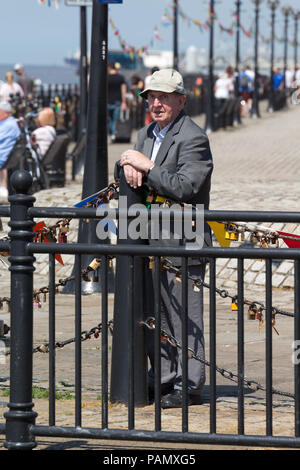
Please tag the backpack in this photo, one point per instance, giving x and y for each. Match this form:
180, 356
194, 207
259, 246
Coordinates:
244, 81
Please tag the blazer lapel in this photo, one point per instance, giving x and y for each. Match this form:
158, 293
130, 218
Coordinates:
149, 142
169, 139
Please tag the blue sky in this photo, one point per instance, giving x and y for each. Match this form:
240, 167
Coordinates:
38, 34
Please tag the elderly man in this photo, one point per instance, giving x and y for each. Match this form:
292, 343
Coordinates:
9, 133
172, 157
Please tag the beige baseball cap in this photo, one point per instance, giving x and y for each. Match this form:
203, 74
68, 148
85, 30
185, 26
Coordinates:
165, 80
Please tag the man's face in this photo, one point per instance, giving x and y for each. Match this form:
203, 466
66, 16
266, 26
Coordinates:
3, 115
165, 107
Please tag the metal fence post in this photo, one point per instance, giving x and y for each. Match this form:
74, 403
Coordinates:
129, 367
20, 416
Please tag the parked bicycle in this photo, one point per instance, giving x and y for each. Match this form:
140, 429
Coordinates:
30, 160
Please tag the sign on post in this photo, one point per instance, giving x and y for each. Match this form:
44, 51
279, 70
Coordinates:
88, 3
79, 3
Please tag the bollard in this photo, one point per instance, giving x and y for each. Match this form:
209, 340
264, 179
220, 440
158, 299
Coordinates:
20, 416
129, 361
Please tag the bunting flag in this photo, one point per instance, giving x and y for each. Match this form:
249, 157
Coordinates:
49, 3
38, 227
290, 243
219, 230
131, 50
156, 34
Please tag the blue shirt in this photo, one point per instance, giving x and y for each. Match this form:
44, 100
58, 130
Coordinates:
159, 137
277, 80
9, 133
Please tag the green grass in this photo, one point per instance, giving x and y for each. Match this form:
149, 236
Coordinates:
40, 392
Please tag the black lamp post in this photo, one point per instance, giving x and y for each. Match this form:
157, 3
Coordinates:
237, 119
175, 36
237, 49
273, 4
255, 108
79, 163
296, 18
96, 156
210, 109
286, 10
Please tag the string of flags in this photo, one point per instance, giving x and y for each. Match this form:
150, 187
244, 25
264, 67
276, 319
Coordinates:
168, 18
49, 3
132, 50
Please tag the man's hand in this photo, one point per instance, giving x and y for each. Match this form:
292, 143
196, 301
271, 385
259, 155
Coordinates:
133, 177
137, 160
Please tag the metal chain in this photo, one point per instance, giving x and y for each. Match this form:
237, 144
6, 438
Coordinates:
84, 335
226, 373
198, 282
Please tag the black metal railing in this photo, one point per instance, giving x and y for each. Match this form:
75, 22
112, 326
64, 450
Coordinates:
21, 428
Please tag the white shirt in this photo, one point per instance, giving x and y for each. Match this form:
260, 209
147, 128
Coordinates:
289, 75
44, 137
224, 88
159, 137
6, 90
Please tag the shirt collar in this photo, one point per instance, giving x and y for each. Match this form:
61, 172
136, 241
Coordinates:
160, 134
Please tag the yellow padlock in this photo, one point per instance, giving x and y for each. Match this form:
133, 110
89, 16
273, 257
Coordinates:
234, 236
160, 199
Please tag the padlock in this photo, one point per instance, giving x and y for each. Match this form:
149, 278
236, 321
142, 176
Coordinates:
95, 264
85, 277
234, 236
227, 235
160, 199
151, 263
234, 305
264, 242
252, 312
196, 288
177, 279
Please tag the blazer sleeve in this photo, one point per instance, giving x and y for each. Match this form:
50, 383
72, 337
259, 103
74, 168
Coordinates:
193, 170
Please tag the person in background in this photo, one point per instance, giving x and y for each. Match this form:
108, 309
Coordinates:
45, 133
148, 117
246, 91
117, 90
24, 80
224, 90
289, 76
10, 88
9, 133
278, 79
137, 103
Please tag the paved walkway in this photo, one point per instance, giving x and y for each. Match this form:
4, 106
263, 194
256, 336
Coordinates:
257, 166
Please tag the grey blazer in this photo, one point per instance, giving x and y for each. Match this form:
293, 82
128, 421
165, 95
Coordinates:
183, 167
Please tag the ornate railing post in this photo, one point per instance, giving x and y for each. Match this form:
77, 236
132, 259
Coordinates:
20, 416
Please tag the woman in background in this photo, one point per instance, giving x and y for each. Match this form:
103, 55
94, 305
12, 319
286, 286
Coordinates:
45, 134
10, 88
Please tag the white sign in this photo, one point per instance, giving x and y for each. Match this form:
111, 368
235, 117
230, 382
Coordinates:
79, 3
